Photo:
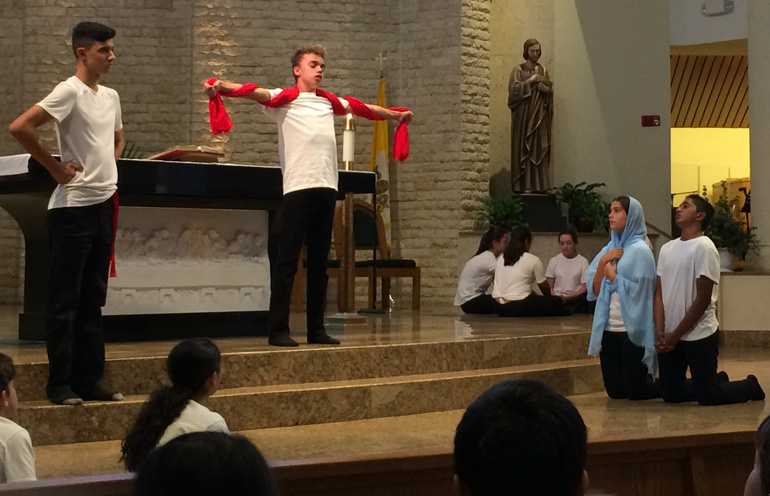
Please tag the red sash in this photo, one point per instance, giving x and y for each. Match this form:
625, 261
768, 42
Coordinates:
221, 123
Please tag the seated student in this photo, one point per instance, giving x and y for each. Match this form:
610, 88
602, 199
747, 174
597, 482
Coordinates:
479, 271
194, 369
621, 278
17, 460
204, 464
685, 316
566, 273
758, 483
521, 437
516, 272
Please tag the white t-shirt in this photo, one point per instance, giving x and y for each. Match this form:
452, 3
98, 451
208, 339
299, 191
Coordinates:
569, 273
194, 418
86, 122
680, 264
17, 459
615, 322
307, 141
514, 282
476, 277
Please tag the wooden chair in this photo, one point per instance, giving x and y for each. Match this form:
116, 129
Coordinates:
369, 234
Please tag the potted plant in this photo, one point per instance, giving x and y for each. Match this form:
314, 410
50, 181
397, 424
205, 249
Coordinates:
505, 211
587, 209
733, 237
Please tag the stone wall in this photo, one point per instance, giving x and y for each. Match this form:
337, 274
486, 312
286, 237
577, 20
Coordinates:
437, 65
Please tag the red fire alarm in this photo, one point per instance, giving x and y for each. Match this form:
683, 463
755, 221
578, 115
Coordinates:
650, 120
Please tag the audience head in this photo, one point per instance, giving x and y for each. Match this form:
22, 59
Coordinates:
521, 437
193, 367
568, 241
694, 208
619, 213
86, 34
521, 240
758, 483
8, 400
205, 463
494, 240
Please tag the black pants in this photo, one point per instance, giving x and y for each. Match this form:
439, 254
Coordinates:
624, 374
479, 305
701, 357
533, 305
579, 304
304, 215
81, 246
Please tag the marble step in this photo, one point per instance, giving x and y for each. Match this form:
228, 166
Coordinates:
139, 375
258, 407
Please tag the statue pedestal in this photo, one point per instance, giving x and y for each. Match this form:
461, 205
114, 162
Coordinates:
543, 212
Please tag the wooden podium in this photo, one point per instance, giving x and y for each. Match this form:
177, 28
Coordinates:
189, 153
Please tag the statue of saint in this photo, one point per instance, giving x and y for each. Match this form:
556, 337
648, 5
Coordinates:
529, 98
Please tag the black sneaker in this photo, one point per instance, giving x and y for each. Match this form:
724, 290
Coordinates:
65, 396
98, 392
757, 394
320, 337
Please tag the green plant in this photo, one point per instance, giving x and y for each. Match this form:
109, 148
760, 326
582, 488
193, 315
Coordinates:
587, 208
728, 232
507, 211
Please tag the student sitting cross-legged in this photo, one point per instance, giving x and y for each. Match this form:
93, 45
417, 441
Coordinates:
479, 271
566, 273
195, 372
17, 459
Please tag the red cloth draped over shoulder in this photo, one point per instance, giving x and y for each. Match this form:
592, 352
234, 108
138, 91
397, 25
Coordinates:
221, 123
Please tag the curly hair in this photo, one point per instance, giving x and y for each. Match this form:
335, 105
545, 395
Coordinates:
189, 365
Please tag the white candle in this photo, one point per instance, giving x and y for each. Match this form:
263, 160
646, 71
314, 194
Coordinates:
349, 139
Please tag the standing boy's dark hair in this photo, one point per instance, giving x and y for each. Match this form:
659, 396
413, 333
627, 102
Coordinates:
189, 365
86, 33
7, 371
517, 246
494, 233
205, 463
702, 205
521, 437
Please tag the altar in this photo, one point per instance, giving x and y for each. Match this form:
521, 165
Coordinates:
193, 245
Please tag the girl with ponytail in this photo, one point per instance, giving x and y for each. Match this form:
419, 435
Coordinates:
479, 271
193, 367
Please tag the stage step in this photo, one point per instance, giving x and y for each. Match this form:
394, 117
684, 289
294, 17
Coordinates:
317, 364
277, 405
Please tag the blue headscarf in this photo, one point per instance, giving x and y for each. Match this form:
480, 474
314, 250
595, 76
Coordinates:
635, 285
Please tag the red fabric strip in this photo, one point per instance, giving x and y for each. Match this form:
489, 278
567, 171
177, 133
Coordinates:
113, 269
221, 123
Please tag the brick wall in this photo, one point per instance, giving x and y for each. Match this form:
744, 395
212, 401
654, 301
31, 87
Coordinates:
436, 65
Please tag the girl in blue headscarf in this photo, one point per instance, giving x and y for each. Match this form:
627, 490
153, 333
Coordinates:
622, 280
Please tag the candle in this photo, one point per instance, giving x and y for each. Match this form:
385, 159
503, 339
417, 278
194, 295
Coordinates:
349, 141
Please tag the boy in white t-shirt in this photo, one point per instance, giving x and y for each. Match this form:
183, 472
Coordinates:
566, 273
80, 213
17, 459
308, 152
685, 316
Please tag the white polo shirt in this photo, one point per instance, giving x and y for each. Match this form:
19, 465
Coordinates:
86, 122
307, 141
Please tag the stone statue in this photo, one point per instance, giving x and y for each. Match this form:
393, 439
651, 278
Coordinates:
530, 101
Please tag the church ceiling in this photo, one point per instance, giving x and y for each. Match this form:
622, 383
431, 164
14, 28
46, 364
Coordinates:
709, 91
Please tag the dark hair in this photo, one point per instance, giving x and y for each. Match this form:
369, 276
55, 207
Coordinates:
85, 34
517, 245
763, 449
571, 232
315, 49
495, 233
189, 365
530, 42
205, 463
624, 201
702, 205
7, 371
521, 437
